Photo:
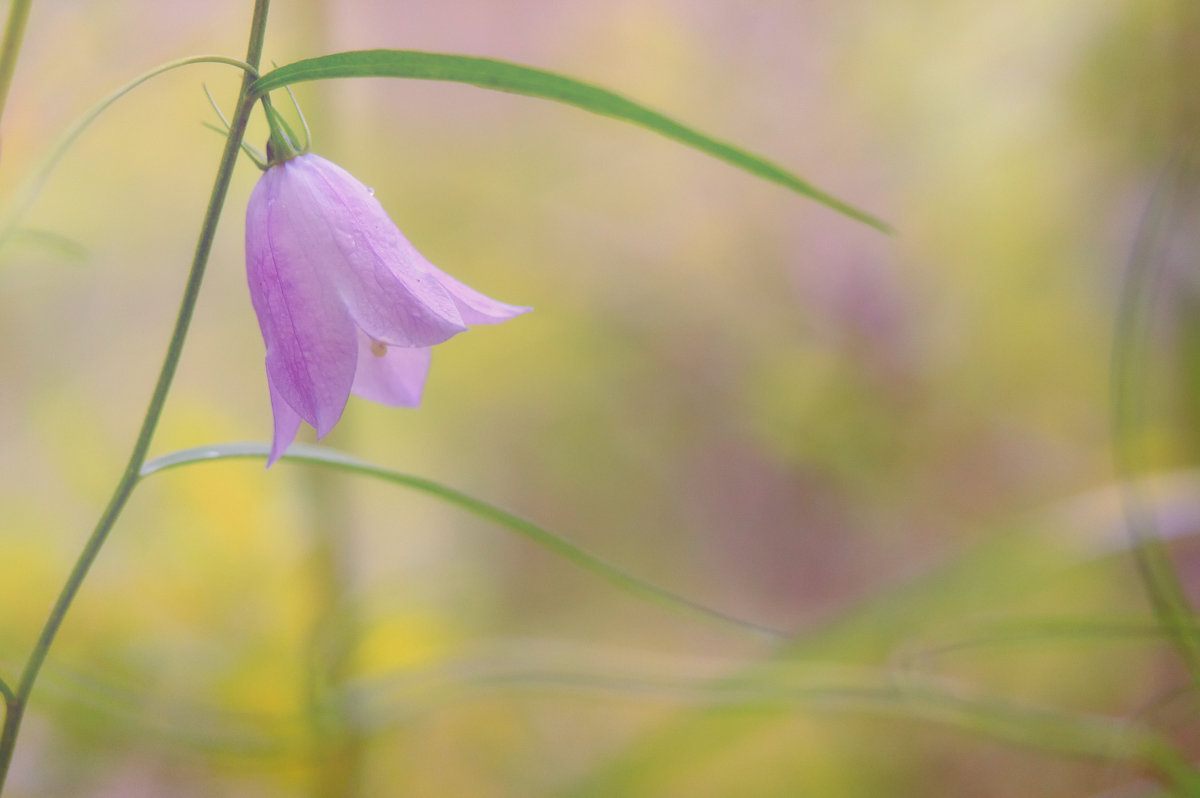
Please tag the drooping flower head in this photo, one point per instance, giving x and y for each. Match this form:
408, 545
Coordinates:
345, 303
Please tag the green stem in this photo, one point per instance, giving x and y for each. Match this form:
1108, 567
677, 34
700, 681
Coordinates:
14, 32
16, 705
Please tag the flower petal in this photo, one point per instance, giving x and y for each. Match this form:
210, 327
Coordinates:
390, 290
287, 424
395, 378
310, 338
474, 307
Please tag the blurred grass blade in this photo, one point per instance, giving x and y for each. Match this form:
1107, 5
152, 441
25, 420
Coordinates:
1038, 633
318, 455
390, 701
887, 625
1167, 216
517, 79
50, 241
32, 186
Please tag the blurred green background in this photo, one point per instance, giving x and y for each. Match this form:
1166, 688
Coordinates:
894, 449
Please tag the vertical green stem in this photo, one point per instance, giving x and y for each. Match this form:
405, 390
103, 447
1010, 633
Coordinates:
10, 48
15, 706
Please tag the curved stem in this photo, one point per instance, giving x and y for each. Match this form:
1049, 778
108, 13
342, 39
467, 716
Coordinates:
129, 478
33, 184
14, 32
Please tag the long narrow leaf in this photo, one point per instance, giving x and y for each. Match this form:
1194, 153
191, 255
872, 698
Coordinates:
318, 455
489, 73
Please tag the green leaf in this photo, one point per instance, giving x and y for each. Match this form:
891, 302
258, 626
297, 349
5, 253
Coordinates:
330, 458
489, 73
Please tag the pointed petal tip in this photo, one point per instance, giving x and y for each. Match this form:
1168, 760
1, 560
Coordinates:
326, 425
287, 423
500, 313
495, 313
278, 450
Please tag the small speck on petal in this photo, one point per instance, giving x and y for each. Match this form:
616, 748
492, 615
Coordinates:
395, 377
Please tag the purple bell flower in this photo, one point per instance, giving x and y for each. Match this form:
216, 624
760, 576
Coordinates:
345, 303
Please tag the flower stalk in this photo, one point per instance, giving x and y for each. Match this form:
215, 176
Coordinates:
17, 700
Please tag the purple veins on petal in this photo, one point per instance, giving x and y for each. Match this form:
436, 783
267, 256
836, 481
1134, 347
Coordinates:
388, 288
344, 302
308, 333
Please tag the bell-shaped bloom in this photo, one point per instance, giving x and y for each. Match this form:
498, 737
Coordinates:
345, 303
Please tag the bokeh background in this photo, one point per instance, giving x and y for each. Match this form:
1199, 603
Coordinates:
895, 450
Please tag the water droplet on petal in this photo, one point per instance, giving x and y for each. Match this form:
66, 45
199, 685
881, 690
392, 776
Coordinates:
378, 349
371, 191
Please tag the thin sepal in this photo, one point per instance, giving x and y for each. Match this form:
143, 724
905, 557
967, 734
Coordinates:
253, 153
295, 104
303, 121
216, 108
283, 144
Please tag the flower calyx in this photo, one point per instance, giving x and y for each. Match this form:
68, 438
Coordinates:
283, 144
